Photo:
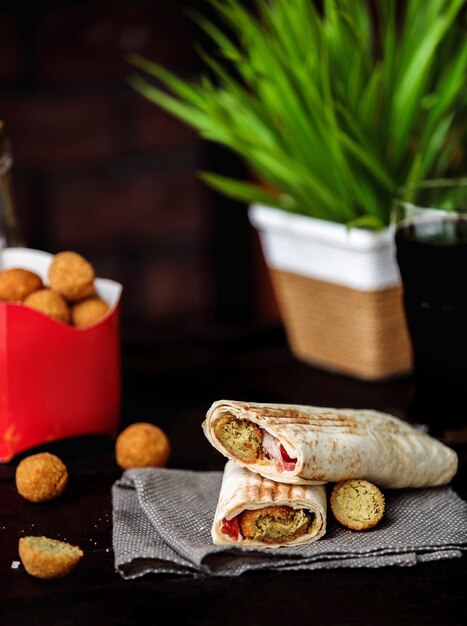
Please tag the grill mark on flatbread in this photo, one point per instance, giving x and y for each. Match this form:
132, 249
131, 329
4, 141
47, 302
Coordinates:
297, 417
306, 421
268, 490
321, 419
340, 424
256, 489
274, 491
346, 431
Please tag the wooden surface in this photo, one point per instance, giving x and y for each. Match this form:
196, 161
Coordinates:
172, 382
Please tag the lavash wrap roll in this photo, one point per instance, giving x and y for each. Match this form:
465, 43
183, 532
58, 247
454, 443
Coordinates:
242, 490
331, 445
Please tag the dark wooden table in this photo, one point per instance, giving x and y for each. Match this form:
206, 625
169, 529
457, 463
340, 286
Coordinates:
172, 382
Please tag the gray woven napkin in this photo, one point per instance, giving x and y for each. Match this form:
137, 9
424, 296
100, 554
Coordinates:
162, 524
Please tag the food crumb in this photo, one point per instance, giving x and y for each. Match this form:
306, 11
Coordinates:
15, 564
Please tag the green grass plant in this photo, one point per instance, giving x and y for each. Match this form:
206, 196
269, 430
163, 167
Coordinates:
331, 106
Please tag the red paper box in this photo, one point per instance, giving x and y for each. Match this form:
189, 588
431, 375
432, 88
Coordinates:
56, 381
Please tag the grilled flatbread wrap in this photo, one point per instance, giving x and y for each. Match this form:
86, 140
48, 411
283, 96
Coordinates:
314, 445
253, 511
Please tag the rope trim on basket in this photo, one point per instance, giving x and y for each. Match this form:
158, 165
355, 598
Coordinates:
359, 333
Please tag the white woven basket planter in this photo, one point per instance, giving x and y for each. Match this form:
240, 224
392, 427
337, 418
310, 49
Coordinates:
339, 293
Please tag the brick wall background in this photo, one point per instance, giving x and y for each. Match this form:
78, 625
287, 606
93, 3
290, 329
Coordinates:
100, 170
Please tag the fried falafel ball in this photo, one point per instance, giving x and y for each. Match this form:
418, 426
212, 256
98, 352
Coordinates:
90, 292
51, 303
71, 275
17, 284
43, 557
40, 477
357, 504
87, 312
142, 445
275, 523
240, 437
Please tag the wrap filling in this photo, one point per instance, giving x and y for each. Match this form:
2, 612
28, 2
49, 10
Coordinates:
271, 524
251, 443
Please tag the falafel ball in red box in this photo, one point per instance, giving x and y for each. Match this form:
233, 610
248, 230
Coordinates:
58, 380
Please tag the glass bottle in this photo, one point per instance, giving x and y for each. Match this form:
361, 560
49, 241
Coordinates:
9, 229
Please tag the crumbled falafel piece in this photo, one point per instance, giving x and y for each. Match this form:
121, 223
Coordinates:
50, 303
43, 557
275, 523
357, 504
16, 284
87, 312
41, 477
142, 445
71, 275
242, 438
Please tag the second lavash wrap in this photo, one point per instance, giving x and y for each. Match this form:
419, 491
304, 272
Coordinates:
242, 489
